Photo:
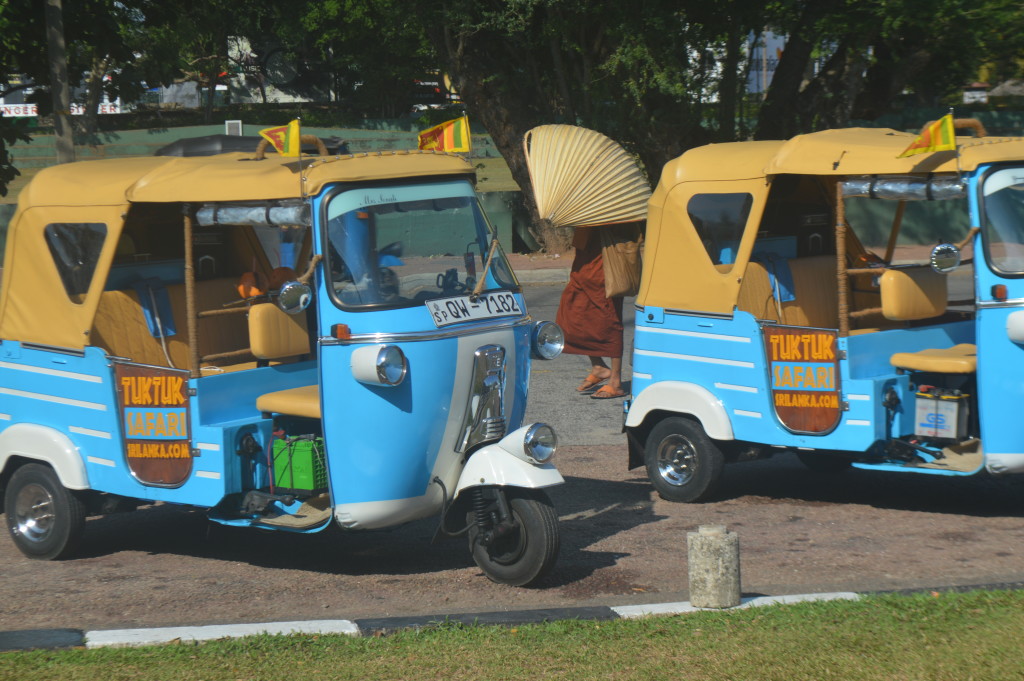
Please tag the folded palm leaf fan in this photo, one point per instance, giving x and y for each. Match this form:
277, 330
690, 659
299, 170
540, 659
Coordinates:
582, 178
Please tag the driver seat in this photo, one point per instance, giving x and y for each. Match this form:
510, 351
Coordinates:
275, 335
920, 293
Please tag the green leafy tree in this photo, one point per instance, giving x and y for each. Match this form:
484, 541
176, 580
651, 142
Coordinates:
847, 59
19, 50
649, 79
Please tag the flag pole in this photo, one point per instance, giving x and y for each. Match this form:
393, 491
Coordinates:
302, 177
956, 148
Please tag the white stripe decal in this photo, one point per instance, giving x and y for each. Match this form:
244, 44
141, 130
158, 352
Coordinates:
52, 372
5, 417
53, 398
89, 431
101, 462
208, 446
752, 414
857, 422
694, 334
212, 475
695, 358
858, 398
643, 376
741, 388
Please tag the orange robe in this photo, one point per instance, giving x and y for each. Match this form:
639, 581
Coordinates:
592, 323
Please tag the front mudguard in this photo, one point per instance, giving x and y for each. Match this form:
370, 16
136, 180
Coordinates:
501, 464
494, 466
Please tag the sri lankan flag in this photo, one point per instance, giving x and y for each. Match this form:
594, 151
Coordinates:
448, 136
939, 136
286, 138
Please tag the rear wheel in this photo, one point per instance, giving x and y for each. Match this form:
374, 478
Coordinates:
683, 463
45, 519
521, 549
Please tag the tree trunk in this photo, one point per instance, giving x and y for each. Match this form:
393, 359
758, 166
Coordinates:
729, 88
59, 88
94, 94
779, 116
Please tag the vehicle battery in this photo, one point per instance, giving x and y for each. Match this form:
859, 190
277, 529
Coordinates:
941, 414
299, 465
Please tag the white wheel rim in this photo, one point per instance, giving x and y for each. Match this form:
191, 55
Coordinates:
677, 460
34, 516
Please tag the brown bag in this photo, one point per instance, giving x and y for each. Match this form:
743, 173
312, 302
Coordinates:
620, 249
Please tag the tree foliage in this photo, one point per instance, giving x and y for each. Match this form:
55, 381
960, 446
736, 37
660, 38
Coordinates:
660, 76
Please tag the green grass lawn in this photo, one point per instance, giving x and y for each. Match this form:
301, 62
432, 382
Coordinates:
936, 637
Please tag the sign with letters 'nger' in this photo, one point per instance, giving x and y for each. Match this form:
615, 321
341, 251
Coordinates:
803, 367
155, 421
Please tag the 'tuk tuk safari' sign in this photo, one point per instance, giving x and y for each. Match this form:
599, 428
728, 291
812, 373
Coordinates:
155, 418
803, 370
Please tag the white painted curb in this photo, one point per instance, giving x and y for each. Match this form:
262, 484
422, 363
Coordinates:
633, 611
148, 637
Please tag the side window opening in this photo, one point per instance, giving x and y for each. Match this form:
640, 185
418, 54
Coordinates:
75, 248
719, 220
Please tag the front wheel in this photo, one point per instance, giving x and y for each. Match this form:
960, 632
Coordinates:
514, 535
683, 463
44, 518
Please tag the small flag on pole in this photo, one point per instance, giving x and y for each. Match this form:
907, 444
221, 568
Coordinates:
448, 136
286, 138
939, 136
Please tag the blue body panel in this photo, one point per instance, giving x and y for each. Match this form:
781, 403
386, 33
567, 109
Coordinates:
727, 357
74, 393
386, 448
1000, 360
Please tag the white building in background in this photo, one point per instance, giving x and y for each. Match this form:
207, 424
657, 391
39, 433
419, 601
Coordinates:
765, 52
15, 104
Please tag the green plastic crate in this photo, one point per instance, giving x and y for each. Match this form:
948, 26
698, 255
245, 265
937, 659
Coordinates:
299, 466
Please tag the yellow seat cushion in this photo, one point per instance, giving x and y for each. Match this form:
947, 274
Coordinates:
959, 359
275, 334
304, 401
913, 293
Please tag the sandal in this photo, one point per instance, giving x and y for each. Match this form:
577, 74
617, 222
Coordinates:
589, 383
608, 393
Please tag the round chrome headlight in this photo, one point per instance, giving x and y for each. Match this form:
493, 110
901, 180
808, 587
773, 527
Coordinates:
379, 364
540, 442
391, 366
548, 340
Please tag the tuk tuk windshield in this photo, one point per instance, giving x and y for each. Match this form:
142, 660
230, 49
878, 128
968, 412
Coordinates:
399, 246
1003, 226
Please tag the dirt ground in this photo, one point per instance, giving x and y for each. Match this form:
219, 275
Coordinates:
800, 532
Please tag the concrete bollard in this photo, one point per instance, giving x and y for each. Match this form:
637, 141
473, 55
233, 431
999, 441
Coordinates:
713, 557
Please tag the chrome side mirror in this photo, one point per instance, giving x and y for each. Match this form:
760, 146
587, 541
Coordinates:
945, 258
294, 297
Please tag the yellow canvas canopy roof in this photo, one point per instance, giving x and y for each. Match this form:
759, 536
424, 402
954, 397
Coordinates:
874, 151
677, 274
33, 304
225, 177
849, 151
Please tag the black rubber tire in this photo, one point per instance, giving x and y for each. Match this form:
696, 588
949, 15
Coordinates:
45, 519
824, 463
527, 554
683, 463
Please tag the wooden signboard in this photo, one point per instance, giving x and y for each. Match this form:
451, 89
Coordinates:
153, 404
803, 370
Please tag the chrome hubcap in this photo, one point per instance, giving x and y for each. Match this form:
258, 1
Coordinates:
677, 460
33, 512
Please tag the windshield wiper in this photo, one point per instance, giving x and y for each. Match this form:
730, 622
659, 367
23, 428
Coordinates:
483, 275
